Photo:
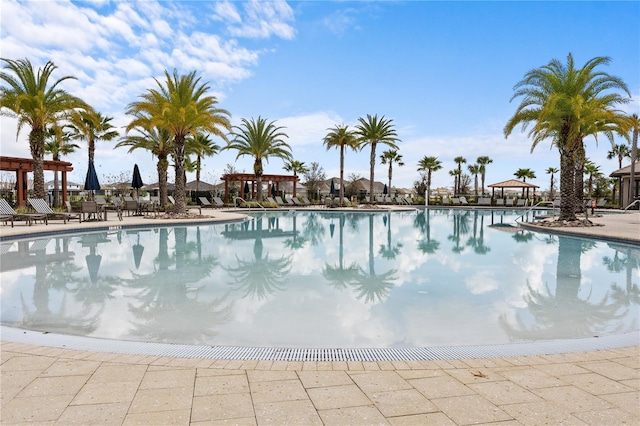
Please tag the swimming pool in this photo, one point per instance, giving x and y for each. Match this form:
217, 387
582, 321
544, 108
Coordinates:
310, 279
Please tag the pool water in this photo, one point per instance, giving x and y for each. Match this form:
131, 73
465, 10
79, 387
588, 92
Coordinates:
329, 279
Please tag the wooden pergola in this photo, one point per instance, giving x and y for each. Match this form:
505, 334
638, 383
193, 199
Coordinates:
512, 184
22, 166
248, 177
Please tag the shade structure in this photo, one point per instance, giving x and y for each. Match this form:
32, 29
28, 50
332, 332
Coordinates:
385, 190
91, 181
332, 190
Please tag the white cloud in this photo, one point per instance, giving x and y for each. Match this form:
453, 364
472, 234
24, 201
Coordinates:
260, 20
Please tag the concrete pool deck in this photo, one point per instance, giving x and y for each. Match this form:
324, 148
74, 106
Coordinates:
48, 385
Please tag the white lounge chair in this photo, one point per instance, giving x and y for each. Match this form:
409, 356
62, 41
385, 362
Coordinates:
41, 207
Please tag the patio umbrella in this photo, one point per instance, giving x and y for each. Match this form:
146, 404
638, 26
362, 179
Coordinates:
93, 265
385, 190
332, 190
246, 187
91, 181
136, 182
273, 190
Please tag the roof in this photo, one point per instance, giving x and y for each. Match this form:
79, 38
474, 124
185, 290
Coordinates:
512, 183
626, 171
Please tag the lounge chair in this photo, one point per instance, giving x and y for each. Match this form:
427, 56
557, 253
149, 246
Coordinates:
601, 203
8, 214
205, 203
499, 201
218, 202
484, 201
296, 201
522, 202
455, 201
280, 201
509, 202
271, 200
306, 201
41, 207
446, 201
463, 201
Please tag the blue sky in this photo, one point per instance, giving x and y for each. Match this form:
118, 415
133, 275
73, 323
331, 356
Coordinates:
443, 71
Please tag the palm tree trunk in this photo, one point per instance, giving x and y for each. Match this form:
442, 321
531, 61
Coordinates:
341, 175
372, 166
198, 163
567, 187
36, 143
390, 174
579, 177
162, 167
257, 170
179, 193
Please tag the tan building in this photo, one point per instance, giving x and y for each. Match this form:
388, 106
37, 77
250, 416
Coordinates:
624, 177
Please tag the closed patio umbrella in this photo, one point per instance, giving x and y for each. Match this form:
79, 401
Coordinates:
91, 182
246, 187
332, 190
136, 182
385, 190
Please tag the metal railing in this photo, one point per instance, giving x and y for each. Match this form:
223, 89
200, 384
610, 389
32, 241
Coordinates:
245, 201
533, 207
632, 204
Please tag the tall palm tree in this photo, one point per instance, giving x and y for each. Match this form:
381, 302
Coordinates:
341, 137
295, 167
619, 151
565, 104
474, 169
429, 165
524, 174
57, 144
180, 105
635, 127
459, 161
456, 176
551, 171
36, 100
373, 131
160, 143
92, 126
389, 157
260, 140
202, 146
591, 170
482, 161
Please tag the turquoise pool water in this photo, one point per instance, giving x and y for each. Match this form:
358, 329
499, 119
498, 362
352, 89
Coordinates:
325, 280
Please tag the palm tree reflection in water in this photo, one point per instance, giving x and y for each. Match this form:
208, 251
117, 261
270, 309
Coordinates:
168, 308
566, 314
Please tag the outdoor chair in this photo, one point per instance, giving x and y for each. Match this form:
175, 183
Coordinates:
205, 203
41, 207
484, 201
463, 201
91, 210
280, 201
509, 202
8, 214
296, 201
499, 201
271, 200
601, 203
218, 202
306, 201
522, 202
455, 201
446, 201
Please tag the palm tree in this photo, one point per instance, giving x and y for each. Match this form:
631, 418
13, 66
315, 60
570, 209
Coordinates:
619, 151
37, 101
482, 162
551, 171
201, 146
474, 169
635, 127
181, 106
373, 131
92, 126
160, 143
459, 160
429, 164
456, 175
295, 167
591, 170
58, 144
524, 174
566, 104
260, 140
341, 137
389, 157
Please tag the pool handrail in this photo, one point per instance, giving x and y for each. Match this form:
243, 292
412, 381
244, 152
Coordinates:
245, 201
533, 207
632, 204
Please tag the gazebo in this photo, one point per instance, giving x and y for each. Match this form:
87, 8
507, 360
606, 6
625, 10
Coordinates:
22, 166
243, 178
512, 184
